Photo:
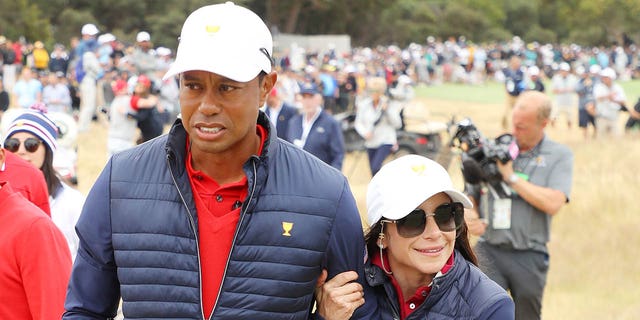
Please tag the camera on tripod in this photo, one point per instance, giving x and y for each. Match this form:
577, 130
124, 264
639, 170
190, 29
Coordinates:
480, 156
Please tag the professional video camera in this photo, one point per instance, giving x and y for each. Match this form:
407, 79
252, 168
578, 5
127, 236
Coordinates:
480, 156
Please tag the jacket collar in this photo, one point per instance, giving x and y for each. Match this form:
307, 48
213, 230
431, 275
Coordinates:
375, 276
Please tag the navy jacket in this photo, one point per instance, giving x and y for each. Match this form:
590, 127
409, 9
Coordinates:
324, 141
464, 292
139, 240
282, 123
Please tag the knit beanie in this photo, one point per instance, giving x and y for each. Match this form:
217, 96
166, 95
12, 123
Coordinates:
36, 123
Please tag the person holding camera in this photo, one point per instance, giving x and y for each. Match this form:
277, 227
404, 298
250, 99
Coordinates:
514, 229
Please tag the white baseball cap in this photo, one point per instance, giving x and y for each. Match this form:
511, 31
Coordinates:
609, 73
89, 29
406, 182
565, 66
143, 36
534, 71
107, 37
595, 69
224, 39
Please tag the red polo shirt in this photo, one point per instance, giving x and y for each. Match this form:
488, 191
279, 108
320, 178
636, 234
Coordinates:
409, 305
218, 209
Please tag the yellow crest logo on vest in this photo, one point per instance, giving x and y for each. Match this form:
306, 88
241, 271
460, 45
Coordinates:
287, 226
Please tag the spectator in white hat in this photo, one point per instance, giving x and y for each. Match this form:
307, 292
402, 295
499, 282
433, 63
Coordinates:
421, 264
218, 219
563, 85
144, 58
610, 99
535, 81
89, 32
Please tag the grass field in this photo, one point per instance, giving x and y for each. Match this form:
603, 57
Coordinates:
595, 255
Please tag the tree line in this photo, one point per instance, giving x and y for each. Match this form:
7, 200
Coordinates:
368, 22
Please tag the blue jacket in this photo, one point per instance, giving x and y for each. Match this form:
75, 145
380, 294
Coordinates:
139, 240
282, 123
464, 292
324, 141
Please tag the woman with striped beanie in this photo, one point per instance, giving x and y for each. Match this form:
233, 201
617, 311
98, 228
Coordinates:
33, 137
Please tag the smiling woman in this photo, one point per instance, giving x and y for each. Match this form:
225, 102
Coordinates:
420, 260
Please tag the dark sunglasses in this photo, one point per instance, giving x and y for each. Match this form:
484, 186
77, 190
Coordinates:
30, 144
448, 217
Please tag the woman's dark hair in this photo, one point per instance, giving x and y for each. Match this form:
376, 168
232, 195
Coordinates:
50, 174
462, 241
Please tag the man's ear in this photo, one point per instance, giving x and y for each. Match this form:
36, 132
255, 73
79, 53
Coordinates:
268, 82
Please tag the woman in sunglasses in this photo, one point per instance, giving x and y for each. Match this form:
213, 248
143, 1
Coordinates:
32, 136
421, 265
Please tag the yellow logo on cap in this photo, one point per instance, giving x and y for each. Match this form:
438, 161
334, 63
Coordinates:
212, 29
419, 169
287, 226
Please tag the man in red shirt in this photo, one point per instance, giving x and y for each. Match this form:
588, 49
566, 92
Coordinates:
25, 179
217, 219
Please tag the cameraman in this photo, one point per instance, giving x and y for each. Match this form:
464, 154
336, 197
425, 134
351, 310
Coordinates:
514, 230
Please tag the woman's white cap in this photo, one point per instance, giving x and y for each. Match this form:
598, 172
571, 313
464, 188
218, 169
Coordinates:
406, 182
224, 39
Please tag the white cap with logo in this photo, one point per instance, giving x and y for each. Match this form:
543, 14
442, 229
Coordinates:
406, 182
224, 39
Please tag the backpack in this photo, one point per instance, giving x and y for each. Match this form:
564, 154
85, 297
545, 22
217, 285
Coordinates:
79, 70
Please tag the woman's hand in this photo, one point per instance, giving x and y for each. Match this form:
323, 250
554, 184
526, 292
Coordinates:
339, 297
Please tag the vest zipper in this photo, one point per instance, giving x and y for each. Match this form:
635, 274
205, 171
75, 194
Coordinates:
245, 206
193, 227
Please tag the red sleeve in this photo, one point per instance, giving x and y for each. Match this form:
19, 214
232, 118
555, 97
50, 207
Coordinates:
45, 265
41, 193
134, 102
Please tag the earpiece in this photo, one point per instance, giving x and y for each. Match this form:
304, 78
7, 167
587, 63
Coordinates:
380, 245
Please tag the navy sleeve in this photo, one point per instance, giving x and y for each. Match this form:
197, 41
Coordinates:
94, 290
503, 309
336, 145
347, 250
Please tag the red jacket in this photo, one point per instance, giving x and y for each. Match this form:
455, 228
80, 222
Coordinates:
36, 262
27, 180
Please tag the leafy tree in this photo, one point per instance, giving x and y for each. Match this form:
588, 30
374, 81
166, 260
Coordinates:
368, 22
20, 18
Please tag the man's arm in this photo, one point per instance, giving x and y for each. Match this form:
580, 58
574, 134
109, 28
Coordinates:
550, 198
94, 290
346, 250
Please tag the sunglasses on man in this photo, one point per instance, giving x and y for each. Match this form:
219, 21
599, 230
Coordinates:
30, 144
448, 217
